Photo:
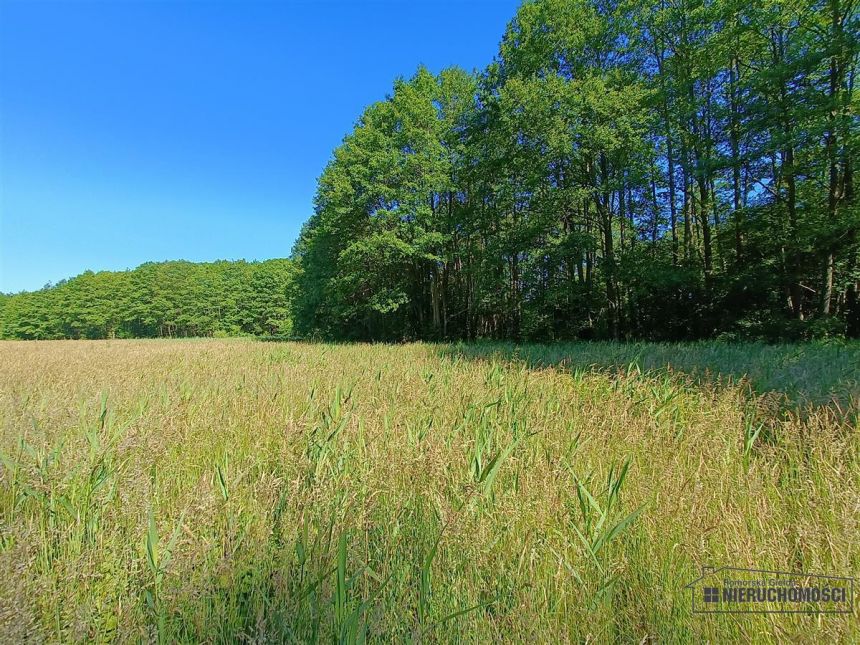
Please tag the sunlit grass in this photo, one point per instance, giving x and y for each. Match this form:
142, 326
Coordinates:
233, 490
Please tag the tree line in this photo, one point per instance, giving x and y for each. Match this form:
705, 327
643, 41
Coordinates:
157, 299
665, 169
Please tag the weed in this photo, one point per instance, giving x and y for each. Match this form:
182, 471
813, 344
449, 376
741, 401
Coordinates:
220, 491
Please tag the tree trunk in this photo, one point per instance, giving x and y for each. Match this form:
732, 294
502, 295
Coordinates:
734, 140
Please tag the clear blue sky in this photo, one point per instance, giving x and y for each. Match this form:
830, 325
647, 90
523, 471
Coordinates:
136, 131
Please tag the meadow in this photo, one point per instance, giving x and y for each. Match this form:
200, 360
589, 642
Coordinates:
236, 490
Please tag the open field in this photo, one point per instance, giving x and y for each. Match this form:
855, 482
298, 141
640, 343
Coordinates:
237, 490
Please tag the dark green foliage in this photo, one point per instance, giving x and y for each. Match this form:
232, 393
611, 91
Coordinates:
661, 169
164, 299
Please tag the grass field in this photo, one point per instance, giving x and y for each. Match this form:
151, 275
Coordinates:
236, 490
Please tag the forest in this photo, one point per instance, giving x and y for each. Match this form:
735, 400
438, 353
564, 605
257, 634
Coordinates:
157, 299
653, 170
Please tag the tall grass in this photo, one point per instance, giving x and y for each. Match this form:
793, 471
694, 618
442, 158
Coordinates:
232, 490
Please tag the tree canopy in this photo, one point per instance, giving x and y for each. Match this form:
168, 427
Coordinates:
157, 299
666, 169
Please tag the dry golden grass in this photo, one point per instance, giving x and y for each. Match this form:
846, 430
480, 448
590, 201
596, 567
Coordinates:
237, 490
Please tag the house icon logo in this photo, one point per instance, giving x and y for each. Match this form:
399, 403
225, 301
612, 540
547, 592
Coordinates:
759, 591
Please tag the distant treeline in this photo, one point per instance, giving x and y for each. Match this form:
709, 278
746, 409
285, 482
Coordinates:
157, 299
653, 169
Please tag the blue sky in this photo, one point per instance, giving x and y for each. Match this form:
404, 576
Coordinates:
136, 131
